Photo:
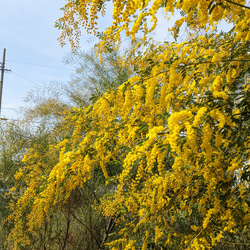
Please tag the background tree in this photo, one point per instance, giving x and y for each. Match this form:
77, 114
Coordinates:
15, 137
94, 77
78, 224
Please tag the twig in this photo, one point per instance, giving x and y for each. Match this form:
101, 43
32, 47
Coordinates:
110, 226
241, 5
66, 234
91, 232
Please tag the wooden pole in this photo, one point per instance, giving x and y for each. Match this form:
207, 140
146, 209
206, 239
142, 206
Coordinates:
1, 83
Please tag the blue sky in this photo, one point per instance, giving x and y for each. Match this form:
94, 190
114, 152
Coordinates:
32, 51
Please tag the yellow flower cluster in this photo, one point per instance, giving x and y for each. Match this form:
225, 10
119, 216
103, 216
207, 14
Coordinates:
198, 14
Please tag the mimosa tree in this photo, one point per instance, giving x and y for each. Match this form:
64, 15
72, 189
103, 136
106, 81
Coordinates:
172, 142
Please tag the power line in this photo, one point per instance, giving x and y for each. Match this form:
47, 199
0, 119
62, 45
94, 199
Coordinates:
10, 108
39, 65
19, 120
36, 84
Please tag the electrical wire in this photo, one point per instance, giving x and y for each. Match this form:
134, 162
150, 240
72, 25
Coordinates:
9, 108
36, 84
18, 120
39, 65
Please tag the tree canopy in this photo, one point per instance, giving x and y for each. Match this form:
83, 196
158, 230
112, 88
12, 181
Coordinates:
172, 142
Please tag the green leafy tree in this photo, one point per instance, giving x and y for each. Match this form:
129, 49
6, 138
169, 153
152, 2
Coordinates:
93, 77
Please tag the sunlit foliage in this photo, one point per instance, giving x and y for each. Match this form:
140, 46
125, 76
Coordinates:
133, 16
172, 142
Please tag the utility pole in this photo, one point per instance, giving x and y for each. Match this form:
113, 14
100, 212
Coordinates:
1, 83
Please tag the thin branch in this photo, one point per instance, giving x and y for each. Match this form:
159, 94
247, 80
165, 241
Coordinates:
210, 62
191, 64
235, 243
242, 113
106, 232
66, 233
91, 232
109, 228
241, 5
